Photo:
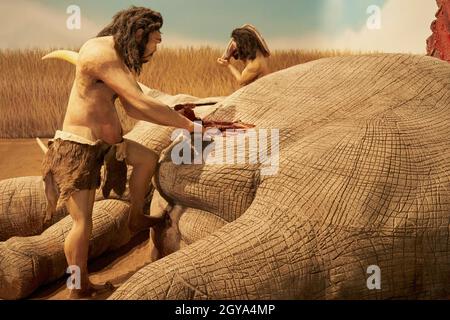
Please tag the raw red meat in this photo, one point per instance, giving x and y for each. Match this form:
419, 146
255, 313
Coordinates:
188, 111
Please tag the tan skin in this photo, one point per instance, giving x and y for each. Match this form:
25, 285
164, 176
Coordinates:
101, 77
254, 69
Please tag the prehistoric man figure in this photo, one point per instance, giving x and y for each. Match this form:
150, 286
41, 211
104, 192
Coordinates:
247, 45
106, 70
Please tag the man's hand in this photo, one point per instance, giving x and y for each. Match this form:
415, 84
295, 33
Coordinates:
184, 105
223, 62
197, 127
186, 110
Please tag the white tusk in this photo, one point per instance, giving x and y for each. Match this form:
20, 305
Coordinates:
66, 55
42, 145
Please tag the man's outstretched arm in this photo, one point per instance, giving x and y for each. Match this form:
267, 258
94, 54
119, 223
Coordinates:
139, 106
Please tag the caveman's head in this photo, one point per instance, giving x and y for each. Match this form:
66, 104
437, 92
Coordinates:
246, 44
136, 35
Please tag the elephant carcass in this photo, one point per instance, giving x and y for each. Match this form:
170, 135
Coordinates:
363, 181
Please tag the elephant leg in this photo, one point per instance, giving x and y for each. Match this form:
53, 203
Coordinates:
29, 262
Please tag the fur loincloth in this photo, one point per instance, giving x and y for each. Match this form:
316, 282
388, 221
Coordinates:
74, 163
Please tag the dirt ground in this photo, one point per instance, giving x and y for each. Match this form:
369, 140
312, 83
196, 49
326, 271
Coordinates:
23, 157
19, 158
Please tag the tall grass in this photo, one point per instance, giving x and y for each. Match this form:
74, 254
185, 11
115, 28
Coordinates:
34, 93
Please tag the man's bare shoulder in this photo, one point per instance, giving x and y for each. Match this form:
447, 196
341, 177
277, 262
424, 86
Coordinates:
97, 53
255, 65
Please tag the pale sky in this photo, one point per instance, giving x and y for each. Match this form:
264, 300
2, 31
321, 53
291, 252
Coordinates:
404, 25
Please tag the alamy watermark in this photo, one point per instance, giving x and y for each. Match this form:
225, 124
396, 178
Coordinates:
73, 22
374, 20
248, 146
374, 281
74, 280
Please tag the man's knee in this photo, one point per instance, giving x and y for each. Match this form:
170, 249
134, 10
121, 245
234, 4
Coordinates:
83, 226
150, 158
146, 159
137, 153
80, 206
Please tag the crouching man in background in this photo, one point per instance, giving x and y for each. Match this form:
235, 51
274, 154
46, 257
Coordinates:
249, 46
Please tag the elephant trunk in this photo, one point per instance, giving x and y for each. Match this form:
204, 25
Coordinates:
245, 259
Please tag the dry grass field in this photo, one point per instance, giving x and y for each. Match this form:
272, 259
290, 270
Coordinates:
34, 93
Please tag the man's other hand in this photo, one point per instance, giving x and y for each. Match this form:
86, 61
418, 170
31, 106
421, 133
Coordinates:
223, 62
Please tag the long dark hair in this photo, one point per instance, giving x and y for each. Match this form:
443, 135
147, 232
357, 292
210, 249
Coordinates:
247, 44
124, 27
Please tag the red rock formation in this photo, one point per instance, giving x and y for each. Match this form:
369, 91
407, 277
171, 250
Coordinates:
438, 45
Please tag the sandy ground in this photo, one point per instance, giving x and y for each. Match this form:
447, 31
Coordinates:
20, 157
23, 157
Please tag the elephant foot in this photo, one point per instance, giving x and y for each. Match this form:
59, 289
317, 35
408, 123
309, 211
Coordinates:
92, 291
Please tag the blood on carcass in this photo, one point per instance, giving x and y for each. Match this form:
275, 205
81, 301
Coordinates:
188, 111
